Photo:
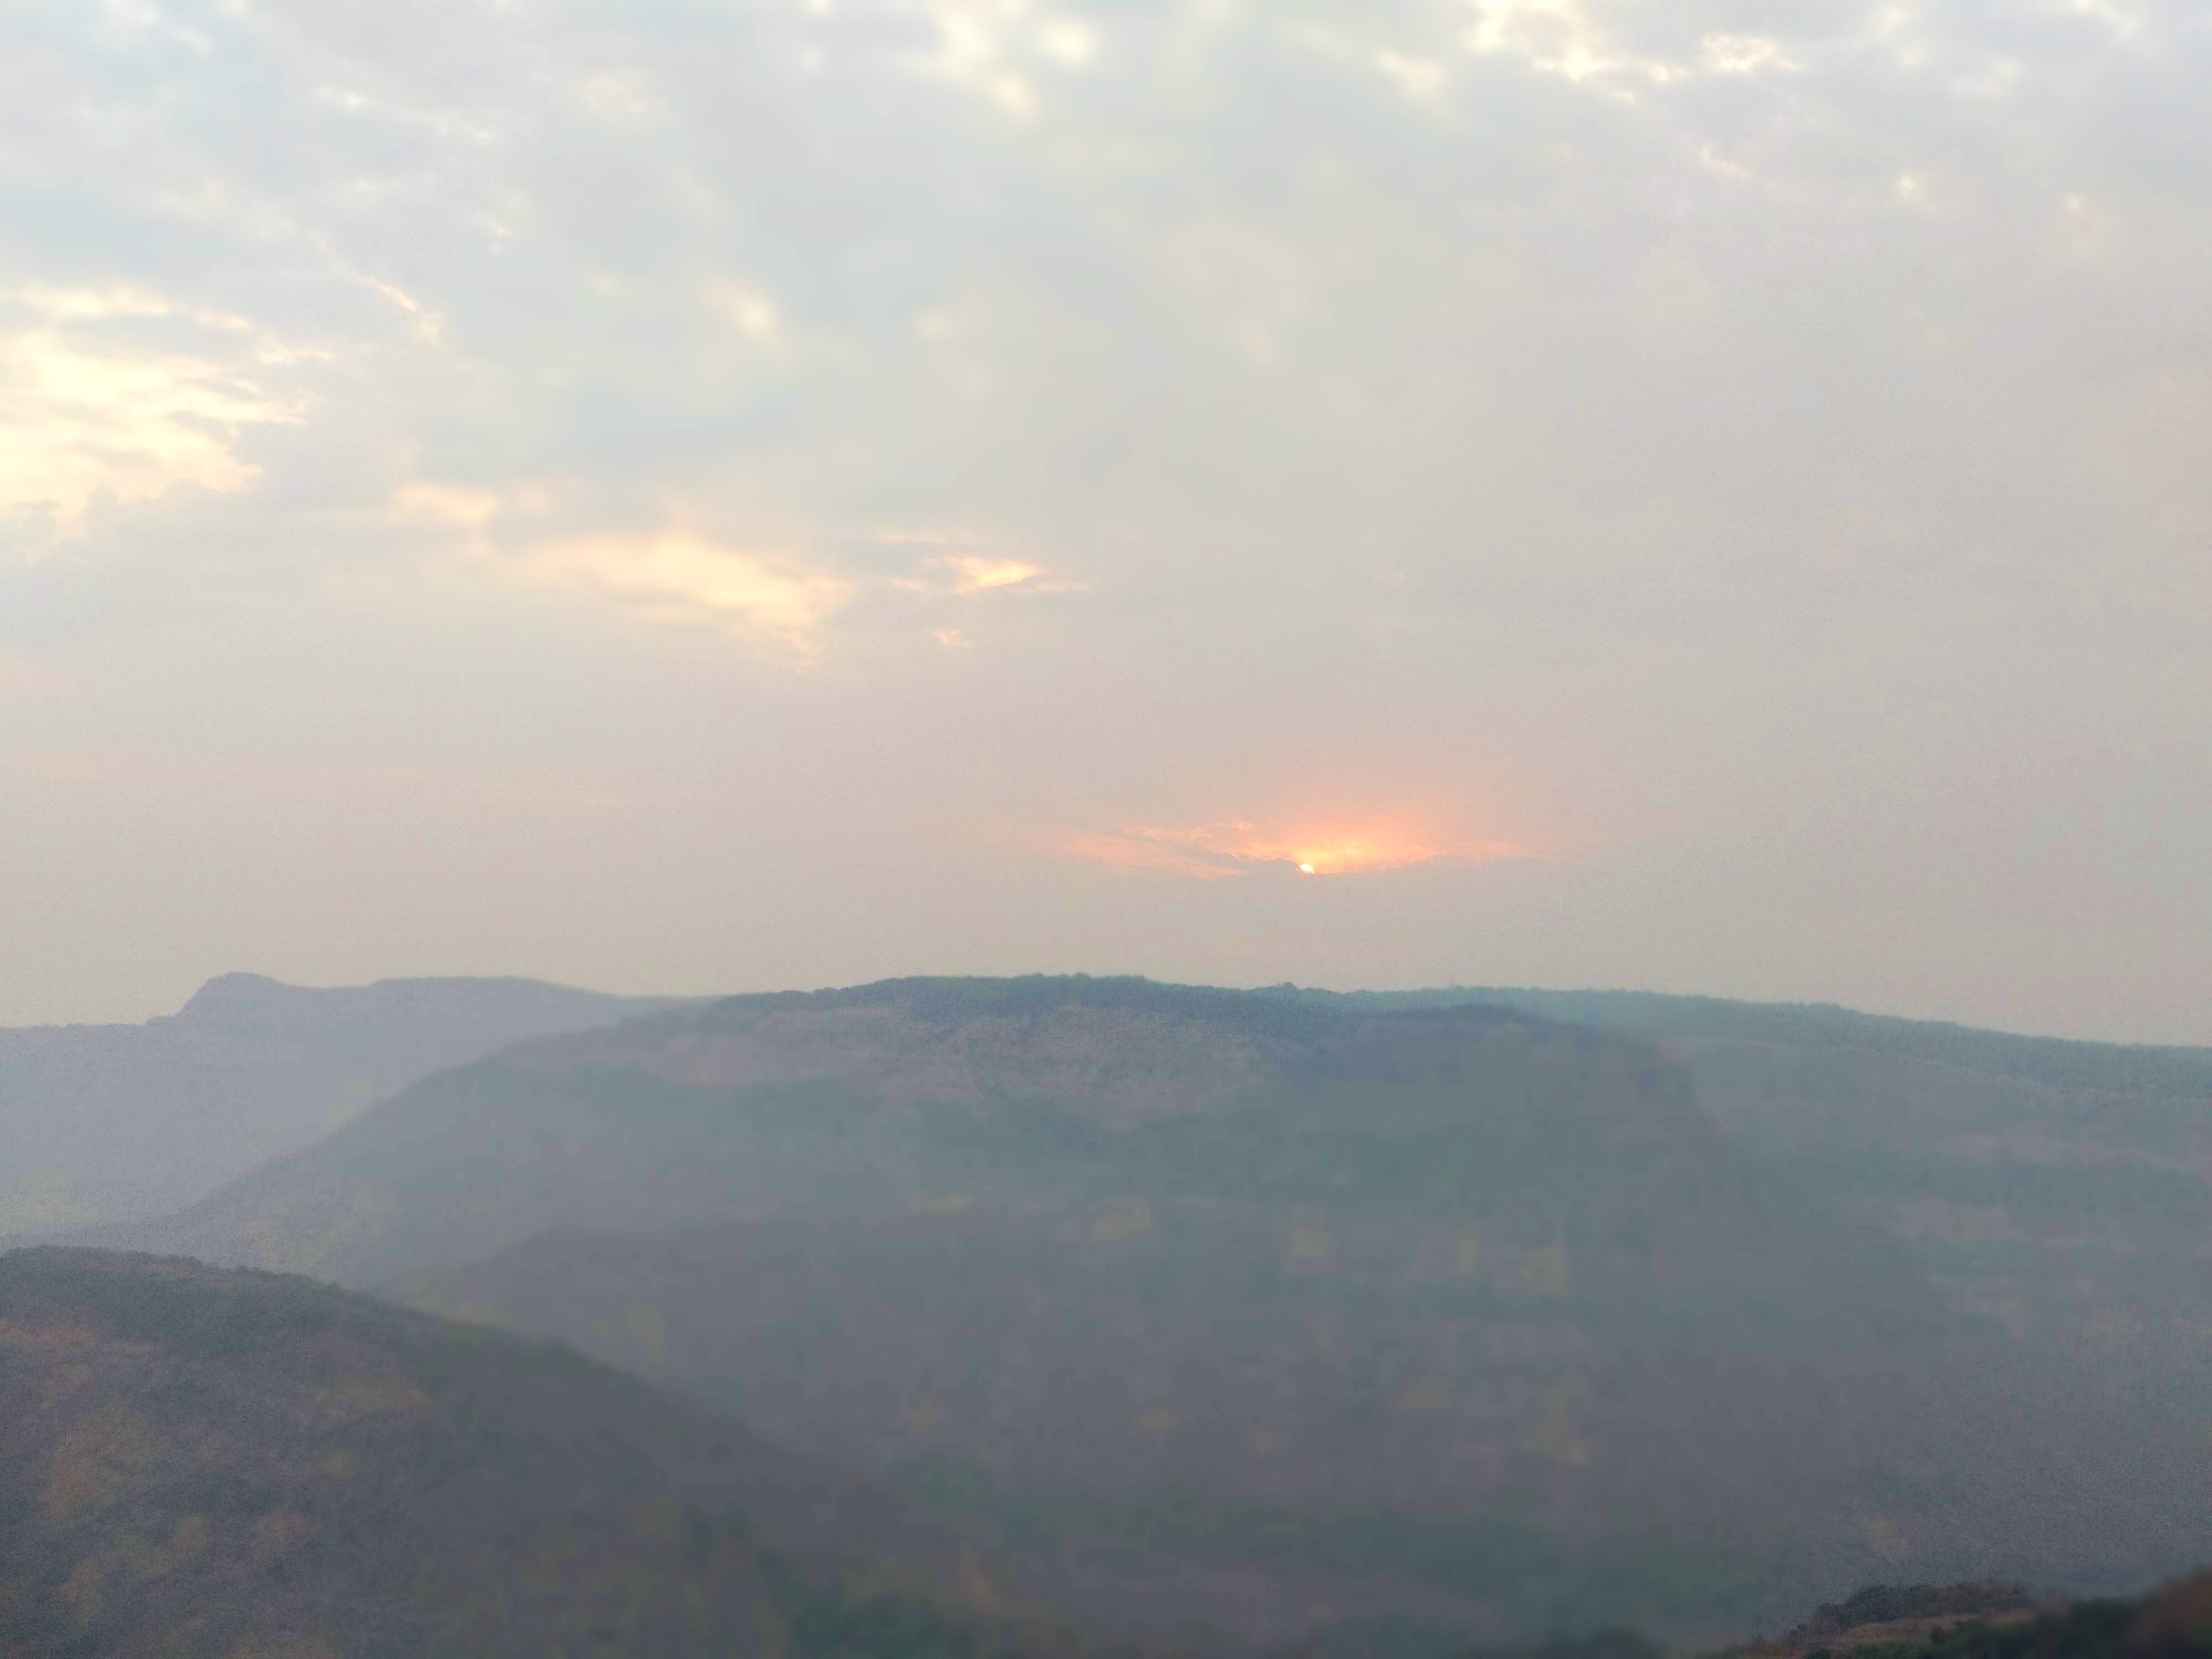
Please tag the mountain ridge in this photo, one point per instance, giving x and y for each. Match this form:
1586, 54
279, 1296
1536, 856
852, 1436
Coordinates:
115, 1122
1436, 1239
1661, 1338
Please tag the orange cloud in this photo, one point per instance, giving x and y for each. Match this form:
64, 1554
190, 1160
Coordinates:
963, 569
681, 577
1209, 851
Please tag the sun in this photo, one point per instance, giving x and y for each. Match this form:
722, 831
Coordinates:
1234, 846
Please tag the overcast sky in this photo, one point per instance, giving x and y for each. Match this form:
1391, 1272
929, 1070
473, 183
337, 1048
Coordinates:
1699, 494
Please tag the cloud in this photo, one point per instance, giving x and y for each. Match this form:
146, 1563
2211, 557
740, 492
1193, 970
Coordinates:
1558, 37
457, 507
964, 575
87, 411
990, 48
1212, 851
1590, 41
677, 576
1744, 54
746, 308
72, 304
973, 574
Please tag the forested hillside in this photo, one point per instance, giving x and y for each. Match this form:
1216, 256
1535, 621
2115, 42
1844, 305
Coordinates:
204, 1464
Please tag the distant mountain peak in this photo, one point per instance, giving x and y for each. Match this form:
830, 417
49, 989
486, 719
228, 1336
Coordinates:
227, 996
113, 1123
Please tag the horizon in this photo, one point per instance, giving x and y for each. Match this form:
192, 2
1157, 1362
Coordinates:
1455, 987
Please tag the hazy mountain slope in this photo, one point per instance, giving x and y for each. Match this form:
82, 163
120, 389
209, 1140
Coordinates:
1450, 1309
2064, 1189
922, 1094
2146, 1069
106, 1123
1200, 1413
203, 1463
1458, 1310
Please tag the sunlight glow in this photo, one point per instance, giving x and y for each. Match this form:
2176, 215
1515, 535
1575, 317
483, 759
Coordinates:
1210, 851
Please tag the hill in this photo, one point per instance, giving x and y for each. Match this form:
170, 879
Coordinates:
1221, 1309
2061, 1189
236, 1465
2064, 1189
116, 1122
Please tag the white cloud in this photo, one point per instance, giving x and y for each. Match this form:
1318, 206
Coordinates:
83, 413
1558, 37
977, 42
77, 305
1065, 42
1745, 54
2125, 22
990, 48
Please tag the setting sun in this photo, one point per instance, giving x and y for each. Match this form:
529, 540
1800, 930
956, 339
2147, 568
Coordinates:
1237, 846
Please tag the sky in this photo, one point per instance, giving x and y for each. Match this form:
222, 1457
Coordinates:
1699, 496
